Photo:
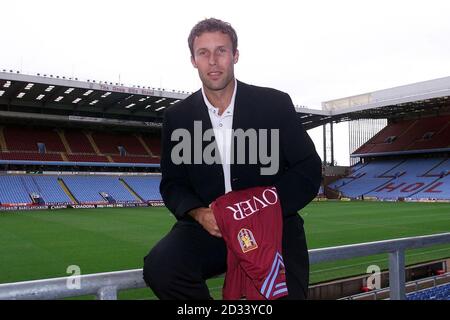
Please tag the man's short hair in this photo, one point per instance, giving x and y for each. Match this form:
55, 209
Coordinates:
212, 25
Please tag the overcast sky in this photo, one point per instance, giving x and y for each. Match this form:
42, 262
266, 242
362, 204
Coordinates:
314, 50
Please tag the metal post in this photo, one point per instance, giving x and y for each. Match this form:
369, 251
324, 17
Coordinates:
107, 293
325, 143
397, 275
332, 144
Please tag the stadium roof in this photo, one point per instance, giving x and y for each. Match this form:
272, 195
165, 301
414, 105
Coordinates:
413, 100
409, 101
55, 99
69, 99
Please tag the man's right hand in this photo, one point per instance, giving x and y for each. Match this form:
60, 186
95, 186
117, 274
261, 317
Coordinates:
205, 217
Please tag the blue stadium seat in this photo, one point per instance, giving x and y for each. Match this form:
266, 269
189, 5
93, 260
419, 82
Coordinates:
12, 190
16, 189
393, 179
87, 189
437, 293
147, 187
48, 188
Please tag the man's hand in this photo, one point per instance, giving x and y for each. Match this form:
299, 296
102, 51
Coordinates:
205, 217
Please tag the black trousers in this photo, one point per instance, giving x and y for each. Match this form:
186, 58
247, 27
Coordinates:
178, 266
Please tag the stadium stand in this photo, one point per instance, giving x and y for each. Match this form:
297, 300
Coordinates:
154, 145
87, 158
440, 170
417, 167
407, 179
437, 293
41, 144
421, 134
146, 187
32, 139
78, 142
385, 137
440, 190
118, 144
135, 159
357, 166
396, 163
47, 187
30, 156
12, 190
99, 187
419, 178
365, 178
404, 187
85, 189
427, 133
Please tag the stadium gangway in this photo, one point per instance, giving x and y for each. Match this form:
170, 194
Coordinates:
105, 286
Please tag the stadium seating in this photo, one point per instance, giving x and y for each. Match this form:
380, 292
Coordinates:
12, 190
75, 145
16, 189
414, 167
146, 187
47, 187
407, 179
27, 139
86, 158
439, 190
420, 178
109, 143
440, 139
365, 178
377, 168
135, 159
361, 186
340, 183
403, 187
88, 189
426, 131
441, 292
442, 169
357, 166
393, 179
78, 142
154, 144
30, 156
421, 134
382, 137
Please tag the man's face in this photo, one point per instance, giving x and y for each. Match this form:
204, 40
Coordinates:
214, 59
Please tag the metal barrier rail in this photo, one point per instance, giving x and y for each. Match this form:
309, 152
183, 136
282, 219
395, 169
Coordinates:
106, 285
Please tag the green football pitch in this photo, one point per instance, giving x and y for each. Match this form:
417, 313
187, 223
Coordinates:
43, 244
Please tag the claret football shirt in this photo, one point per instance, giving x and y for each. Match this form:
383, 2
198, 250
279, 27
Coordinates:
251, 224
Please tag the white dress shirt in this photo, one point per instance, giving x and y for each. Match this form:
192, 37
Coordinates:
223, 130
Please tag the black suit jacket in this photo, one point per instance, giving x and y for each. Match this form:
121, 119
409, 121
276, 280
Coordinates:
187, 186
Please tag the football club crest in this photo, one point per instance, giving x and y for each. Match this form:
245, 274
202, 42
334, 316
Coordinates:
247, 240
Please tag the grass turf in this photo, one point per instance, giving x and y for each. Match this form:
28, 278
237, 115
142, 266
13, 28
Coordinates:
42, 244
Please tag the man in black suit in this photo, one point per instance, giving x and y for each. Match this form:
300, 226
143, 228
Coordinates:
258, 140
